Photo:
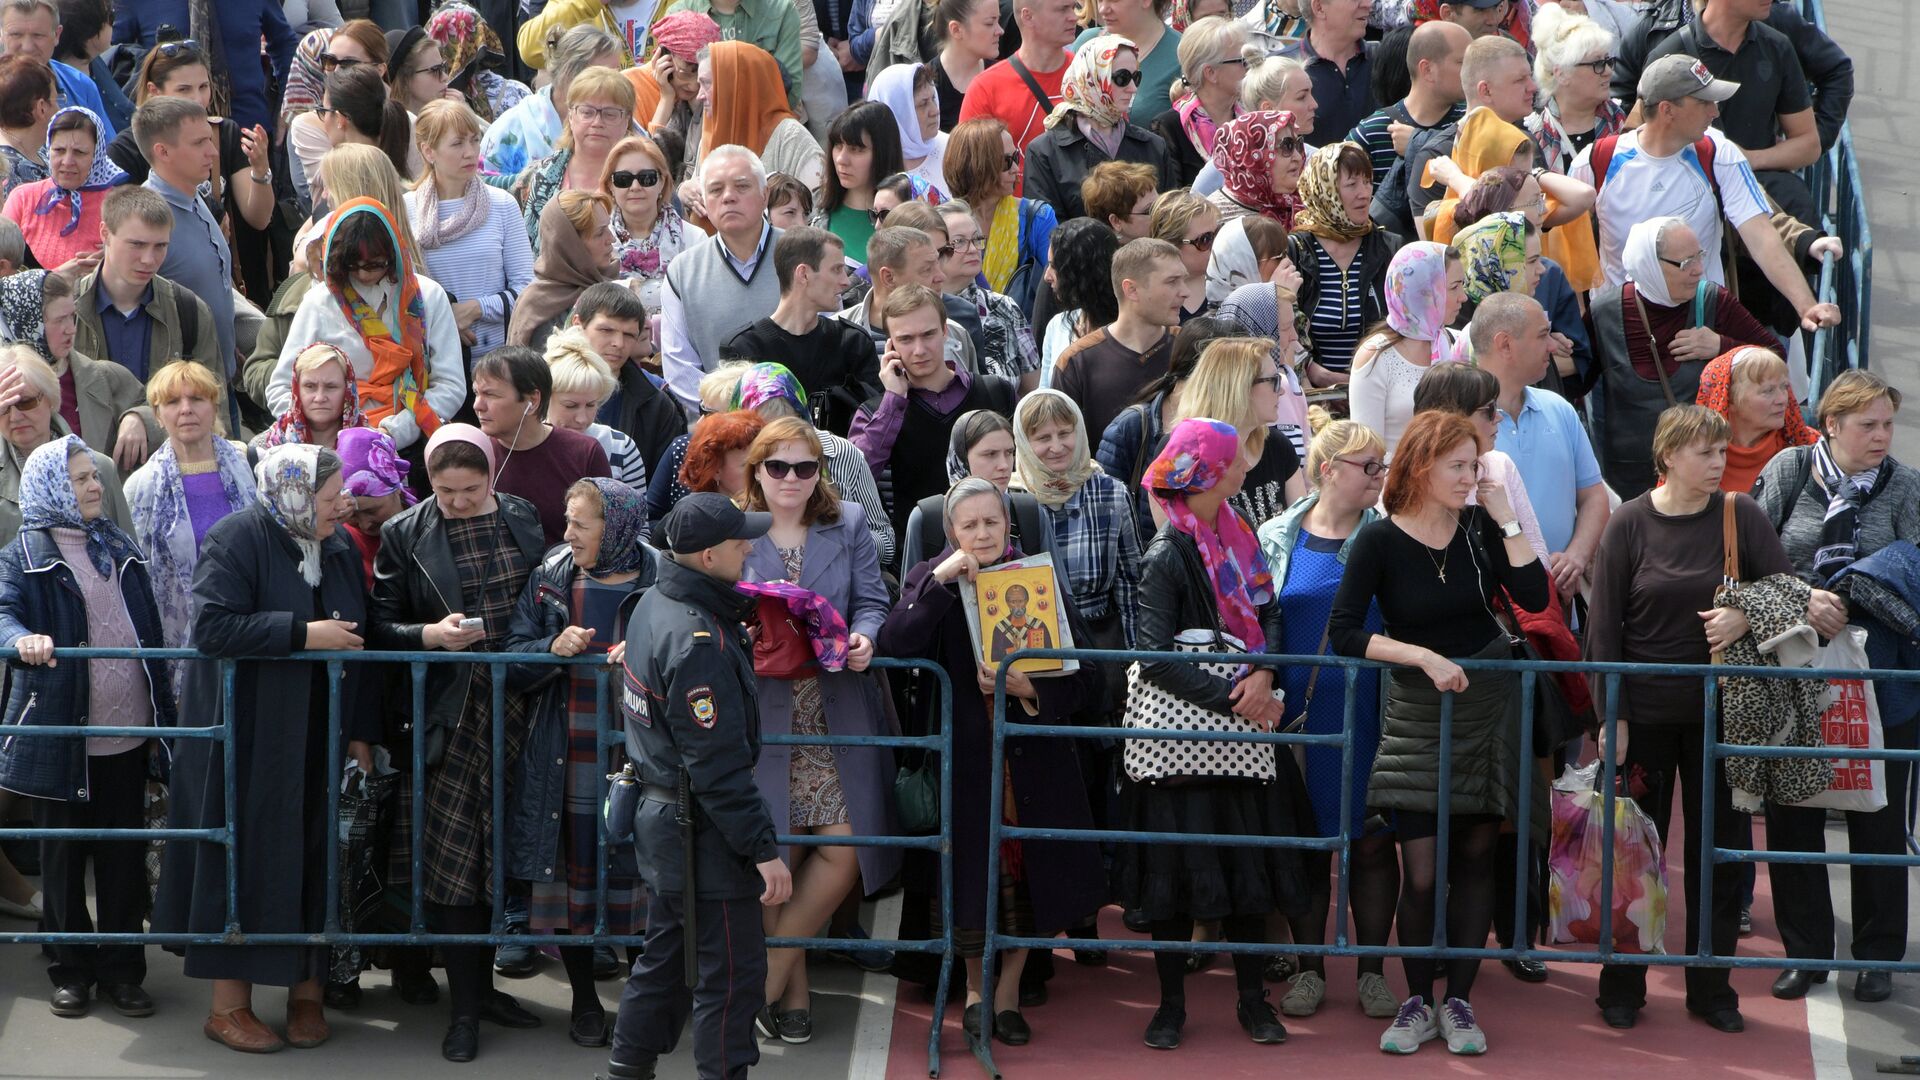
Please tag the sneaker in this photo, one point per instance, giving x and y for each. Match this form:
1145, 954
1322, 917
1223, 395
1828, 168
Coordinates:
1412, 1026
1376, 998
1305, 991
1746, 922
795, 1026
515, 960
1462, 1033
766, 1023
1163, 1031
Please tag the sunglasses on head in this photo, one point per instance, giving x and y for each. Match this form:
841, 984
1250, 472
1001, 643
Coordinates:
170, 49
329, 62
1123, 77
624, 178
1203, 242
801, 470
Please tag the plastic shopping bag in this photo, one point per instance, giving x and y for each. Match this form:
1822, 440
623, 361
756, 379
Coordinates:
1574, 862
1851, 722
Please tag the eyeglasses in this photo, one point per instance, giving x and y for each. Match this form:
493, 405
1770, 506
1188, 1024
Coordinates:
1602, 65
606, 114
1203, 242
1241, 60
624, 179
801, 470
322, 110
374, 266
1371, 468
970, 243
1687, 263
329, 62
1289, 145
1271, 382
438, 71
1009, 161
1124, 77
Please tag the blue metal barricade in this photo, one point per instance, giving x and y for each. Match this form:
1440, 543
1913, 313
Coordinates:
612, 734
1528, 672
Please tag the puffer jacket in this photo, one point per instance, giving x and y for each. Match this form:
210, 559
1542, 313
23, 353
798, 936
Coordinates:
1770, 712
536, 791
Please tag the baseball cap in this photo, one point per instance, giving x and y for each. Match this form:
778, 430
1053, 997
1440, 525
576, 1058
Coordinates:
707, 519
1677, 76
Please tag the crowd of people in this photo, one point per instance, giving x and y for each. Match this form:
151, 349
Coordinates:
615, 329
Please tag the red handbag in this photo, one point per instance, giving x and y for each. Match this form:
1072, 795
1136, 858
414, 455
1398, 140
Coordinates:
781, 649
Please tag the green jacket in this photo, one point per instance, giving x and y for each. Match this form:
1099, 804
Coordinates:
774, 25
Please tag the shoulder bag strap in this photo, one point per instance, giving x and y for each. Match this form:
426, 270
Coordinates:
1033, 84
1659, 368
1313, 676
1730, 548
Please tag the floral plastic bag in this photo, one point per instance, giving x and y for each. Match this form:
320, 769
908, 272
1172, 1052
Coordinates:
1574, 863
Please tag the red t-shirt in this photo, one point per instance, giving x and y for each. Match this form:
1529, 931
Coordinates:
543, 474
1001, 93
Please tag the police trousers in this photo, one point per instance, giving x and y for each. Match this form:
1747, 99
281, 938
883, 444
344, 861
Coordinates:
731, 948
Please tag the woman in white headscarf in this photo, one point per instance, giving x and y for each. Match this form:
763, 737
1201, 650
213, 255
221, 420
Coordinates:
1653, 335
908, 90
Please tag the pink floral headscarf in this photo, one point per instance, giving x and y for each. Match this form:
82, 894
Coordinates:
1244, 150
1087, 87
1417, 296
1197, 455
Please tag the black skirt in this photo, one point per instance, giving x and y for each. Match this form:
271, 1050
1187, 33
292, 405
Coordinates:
1206, 881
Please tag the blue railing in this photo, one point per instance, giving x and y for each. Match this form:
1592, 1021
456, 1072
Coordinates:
612, 735
1841, 199
1340, 845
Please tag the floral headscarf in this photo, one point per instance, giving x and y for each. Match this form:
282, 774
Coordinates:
47, 502
770, 382
305, 77
1051, 488
1244, 152
398, 381
1086, 89
102, 174
685, 33
291, 426
1494, 252
1716, 393
374, 469
1417, 295
625, 512
1321, 211
1197, 455
287, 483
462, 34
23, 310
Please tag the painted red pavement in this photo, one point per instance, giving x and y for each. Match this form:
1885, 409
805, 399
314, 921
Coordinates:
1092, 1024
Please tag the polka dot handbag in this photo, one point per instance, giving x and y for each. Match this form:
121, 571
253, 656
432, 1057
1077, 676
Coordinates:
1150, 708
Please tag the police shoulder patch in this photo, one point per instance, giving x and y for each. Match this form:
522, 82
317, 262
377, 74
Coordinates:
700, 703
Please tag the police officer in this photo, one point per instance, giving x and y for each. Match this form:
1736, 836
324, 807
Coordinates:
703, 835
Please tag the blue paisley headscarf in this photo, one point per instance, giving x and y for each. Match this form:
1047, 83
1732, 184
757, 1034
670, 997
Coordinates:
47, 502
23, 311
625, 510
102, 175
287, 483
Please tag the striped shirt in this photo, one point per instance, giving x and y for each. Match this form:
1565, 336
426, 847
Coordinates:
490, 265
1373, 137
1336, 326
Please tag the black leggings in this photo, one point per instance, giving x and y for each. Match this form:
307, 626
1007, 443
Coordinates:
1470, 890
1172, 966
1372, 895
469, 967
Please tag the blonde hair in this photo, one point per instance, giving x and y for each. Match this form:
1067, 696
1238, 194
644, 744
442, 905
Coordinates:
1754, 366
576, 368
1221, 387
1337, 439
440, 119
1173, 211
318, 353
1203, 44
1266, 77
36, 371
578, 207
1562, 39
605, 84
180, 377
1853, 390
1683, 425
355, 171
717, 386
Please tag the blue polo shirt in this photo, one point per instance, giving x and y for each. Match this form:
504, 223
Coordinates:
126, 335
1555, 458
198, 259
1341, 98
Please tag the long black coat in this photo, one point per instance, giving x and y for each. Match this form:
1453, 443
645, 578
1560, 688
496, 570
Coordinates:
1063, 877
250, 600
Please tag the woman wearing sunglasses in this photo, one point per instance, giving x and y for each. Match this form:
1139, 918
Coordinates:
417, 72
358, 43
1237, 381
1090, 126
983, 169
1191, 224
1207, 93
647, 231
469, 233
1260, 156
819, 543
599, 114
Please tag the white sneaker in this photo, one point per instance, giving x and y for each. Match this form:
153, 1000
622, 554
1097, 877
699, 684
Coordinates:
1457, 1024
1412, 1026
1376, 997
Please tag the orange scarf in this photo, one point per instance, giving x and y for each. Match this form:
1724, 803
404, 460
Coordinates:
751, 100
398, 381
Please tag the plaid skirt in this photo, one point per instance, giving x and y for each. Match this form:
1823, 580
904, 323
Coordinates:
565, 904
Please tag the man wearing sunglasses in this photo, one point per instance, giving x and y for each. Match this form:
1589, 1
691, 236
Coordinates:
240, 27
834, 361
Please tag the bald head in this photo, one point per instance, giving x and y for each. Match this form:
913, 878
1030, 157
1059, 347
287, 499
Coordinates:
1434, 41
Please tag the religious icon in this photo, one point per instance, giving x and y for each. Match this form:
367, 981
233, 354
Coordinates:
1012, 607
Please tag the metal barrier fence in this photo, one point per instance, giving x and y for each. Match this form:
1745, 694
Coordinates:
1340, 845
1841, 199
612, 734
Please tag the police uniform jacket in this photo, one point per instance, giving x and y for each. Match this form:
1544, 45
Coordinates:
689, 702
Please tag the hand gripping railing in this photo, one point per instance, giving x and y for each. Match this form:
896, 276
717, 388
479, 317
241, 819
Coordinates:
1529, 673
612, 733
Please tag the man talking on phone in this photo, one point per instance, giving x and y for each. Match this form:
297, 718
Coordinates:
703, 835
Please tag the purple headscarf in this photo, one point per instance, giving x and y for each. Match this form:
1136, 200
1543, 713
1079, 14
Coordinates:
373, 469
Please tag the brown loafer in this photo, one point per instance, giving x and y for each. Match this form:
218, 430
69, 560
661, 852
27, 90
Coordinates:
306, 1025
241, 1030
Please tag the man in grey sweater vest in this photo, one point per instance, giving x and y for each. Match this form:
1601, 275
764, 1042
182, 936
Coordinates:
721, 286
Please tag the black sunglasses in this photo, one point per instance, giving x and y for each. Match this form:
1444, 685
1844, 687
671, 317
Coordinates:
1203, 242
170, 49
1125, 77
377, 266
624, 179
801, 470
436, 70
1271, 382
329, 62
1290, 145
1009, 161
878, 216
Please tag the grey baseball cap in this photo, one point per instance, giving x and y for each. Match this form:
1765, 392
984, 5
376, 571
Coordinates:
1677, 76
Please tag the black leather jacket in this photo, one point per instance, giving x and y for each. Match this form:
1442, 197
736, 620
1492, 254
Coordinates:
1174, 596
415, 583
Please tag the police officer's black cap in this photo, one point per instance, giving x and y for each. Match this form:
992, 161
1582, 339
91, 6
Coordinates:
707, 519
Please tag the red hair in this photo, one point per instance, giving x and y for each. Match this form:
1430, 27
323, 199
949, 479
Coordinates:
1429, 436
714, 437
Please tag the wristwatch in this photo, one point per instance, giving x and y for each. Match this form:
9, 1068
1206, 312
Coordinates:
1510, 530
267, 179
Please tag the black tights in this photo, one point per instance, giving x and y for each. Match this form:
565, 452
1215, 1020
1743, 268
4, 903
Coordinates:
1470, 889
1172, 966
1371, 897
469, 967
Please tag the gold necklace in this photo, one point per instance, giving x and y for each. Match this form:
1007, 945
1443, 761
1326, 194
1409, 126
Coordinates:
1440, 566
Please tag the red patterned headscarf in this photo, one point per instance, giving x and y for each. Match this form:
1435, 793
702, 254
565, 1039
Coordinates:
1244, 151
1716, 393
